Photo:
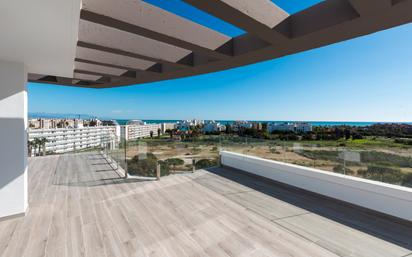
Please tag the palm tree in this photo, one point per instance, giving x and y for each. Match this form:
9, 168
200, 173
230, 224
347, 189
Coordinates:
36, 145
30, 146
43, 142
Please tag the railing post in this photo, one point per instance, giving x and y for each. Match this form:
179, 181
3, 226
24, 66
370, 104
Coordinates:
193, 165
158, 171
125, 158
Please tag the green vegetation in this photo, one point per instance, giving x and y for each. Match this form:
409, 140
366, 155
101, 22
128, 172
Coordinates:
206, 163
344, 170
320, 155
174, 162
368, 157
383, 174
145, 167
38, 144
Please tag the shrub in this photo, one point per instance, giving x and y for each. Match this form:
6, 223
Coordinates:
196, 150
381, 157
344, 170
320, 155
164, 168
274, 150
382, 173
142, 167
174, 162
205, 163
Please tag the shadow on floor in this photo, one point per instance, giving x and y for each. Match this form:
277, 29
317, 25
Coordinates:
382, 226
103, 182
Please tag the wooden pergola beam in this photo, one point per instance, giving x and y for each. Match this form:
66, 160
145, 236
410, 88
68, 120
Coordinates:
179, 64
138, 30
258, 17
369, 7
146, 20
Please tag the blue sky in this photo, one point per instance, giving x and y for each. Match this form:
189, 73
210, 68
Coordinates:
365, 79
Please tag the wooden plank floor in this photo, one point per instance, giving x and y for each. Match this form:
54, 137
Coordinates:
80, 207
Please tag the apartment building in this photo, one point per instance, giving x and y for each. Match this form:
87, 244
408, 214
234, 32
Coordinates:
167, 126
131, 132
62, 140
299, 127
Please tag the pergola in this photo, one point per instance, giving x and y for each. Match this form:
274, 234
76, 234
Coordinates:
126, 42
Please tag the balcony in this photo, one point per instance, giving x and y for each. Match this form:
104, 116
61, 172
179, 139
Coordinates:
80, 206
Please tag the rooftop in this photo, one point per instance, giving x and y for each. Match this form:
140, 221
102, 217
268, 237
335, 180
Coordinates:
79, 206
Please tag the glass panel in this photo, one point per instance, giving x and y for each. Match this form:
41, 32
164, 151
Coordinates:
141, 161
382, 159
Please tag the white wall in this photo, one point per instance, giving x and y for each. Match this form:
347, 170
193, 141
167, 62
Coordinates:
390, 199
13, 142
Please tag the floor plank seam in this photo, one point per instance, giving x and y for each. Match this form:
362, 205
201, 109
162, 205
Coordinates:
291, 216
238, 193
308, 239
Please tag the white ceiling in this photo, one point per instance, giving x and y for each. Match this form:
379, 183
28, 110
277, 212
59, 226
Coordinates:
40, 33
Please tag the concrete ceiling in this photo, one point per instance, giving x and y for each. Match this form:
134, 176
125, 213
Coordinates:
40, 33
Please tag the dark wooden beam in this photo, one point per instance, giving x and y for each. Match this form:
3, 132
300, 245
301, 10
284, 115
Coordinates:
324, 15
370, 7
106, 64
258, 17
183, 64
94, 73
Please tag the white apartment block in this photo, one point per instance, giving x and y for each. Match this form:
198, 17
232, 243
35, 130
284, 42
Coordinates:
166, 126
290, 127
131, 132
62, 140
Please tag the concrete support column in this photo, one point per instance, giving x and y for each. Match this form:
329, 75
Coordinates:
13, 139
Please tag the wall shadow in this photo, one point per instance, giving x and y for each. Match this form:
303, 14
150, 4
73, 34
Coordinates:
379, 225
12, 147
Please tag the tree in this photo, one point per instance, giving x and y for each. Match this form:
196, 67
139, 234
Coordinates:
43, 142
37, 145
228, 129
30, 146
347, 134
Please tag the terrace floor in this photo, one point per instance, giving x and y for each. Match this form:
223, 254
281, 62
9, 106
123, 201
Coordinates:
80, 207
